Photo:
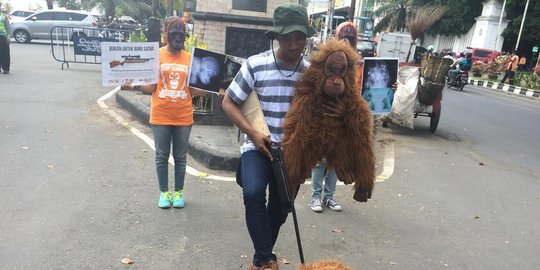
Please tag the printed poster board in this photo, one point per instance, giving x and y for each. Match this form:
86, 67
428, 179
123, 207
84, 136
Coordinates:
378, 77
135, 62
209, 71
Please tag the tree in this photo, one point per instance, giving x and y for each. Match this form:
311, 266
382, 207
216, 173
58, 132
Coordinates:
514, 12
69, 4
459, 19
49, 4
395, 14
422, 20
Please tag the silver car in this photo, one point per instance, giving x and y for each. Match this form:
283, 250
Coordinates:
39, 25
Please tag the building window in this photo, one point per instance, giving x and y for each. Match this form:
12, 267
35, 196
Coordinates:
191, 5
251, 5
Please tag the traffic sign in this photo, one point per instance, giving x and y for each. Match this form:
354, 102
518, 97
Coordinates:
535, 49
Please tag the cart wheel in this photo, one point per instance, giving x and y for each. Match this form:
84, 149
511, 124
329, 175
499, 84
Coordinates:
385, 124
434, 122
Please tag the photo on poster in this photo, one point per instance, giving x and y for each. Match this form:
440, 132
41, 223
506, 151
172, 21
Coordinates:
231, 67
378, 77
206, 70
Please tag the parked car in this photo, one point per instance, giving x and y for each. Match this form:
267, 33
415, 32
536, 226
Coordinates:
19, 15
366, 47
39, 25
484, 55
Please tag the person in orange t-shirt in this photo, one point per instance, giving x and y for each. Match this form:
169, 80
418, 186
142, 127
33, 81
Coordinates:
171, 111
511, 69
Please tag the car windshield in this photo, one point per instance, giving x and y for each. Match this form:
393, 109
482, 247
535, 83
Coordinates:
364, 45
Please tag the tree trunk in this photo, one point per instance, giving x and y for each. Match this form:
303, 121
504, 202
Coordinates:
49, 4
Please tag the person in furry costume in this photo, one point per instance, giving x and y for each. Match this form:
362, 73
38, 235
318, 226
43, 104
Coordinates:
313, 130
324, 265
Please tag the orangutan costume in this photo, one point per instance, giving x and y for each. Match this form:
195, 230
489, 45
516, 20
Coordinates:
311, 135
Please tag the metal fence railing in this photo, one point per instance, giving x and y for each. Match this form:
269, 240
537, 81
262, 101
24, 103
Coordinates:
82, 44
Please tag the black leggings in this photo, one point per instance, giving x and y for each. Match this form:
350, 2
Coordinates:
5, 59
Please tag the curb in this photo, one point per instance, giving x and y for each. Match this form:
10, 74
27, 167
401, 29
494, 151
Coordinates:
531, 93
209, 155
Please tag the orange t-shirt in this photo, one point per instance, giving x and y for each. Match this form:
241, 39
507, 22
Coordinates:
513, 63
171, 102
359, 77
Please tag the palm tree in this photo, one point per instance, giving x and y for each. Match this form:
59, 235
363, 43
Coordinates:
421, 21
395, 14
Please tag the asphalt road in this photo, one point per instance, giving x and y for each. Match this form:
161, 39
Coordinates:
78, 190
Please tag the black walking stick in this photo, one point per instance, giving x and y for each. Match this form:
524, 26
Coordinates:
285, 197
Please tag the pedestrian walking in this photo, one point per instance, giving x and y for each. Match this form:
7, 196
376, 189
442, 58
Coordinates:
5, 58
511, 68
522, 62
171, 114
272, 74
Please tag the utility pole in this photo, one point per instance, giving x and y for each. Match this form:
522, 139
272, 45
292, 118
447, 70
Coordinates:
329, 20
351, 10
522, 23
496, 45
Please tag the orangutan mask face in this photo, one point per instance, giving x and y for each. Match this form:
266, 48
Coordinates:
335, 69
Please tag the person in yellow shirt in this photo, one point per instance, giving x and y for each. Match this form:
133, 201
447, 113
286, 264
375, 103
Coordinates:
171, 111
5, 58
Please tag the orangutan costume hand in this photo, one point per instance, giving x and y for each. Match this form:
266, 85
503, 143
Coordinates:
311, 133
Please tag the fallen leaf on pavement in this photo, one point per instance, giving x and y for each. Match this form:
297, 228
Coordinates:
481, 164
284, 261
392, 263
475, 216
127, 261
50, 166
337, 230
25, 147
144, 150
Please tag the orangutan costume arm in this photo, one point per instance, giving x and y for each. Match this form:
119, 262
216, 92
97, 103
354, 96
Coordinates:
310, 134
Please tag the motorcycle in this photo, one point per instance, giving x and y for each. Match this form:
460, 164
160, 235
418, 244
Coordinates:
461, 80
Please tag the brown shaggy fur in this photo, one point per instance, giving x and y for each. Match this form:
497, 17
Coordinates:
310, 135
324, 265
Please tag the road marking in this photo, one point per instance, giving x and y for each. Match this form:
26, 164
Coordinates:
189, 170
388, 163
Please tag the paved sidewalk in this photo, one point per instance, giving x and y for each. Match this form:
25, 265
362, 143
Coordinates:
535, 94
216, 147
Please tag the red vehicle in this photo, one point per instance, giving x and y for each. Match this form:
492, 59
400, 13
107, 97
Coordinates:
484, 55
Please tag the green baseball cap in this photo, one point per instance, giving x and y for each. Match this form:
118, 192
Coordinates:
288, 18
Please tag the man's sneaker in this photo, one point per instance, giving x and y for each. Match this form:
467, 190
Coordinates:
164, 200
316, 205
332, 204
178, 199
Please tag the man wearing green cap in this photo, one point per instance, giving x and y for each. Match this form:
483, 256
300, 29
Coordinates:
272, 75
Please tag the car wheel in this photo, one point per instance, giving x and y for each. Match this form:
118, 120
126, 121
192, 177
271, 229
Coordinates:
21, 36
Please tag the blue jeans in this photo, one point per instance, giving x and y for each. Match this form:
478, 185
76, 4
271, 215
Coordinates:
163, 136
320, 173
263, 220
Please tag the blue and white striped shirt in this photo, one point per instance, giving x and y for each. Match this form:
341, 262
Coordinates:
275, 91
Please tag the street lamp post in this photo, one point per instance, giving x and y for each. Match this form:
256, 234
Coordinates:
496, 45
522, 23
